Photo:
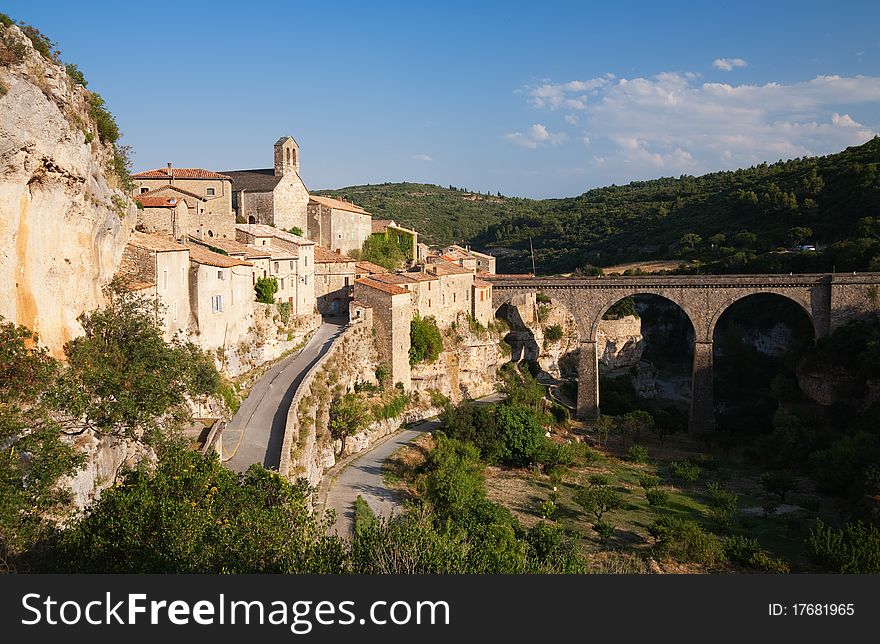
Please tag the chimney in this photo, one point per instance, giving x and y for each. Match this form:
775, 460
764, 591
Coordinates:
170, 171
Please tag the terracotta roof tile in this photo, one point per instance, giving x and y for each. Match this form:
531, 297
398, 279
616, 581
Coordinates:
370, 267
156, 191
423, 277
338, 204
324, 255
179, 173
201, 255
448, 268
393, 278
234, 248
157, 202
481, 283
156, 243
391, 289
262, 230
279, 252
379, 225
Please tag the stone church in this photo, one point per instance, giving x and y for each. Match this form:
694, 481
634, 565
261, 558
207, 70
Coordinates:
272, 196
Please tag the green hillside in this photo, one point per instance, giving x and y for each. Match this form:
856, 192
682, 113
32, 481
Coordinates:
738, 221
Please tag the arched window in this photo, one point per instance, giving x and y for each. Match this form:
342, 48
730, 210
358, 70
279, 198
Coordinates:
210, 233
288, 156
252, 220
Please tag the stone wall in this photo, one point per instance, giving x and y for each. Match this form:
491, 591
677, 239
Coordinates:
267, 338
291, 199
392, 316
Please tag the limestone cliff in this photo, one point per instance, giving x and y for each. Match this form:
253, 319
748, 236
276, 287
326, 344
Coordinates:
63, 225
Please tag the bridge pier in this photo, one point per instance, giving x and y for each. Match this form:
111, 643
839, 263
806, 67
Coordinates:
702, 415
588, 381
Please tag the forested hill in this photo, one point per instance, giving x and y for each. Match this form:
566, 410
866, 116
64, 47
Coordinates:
725, 221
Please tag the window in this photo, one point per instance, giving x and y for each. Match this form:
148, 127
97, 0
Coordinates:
143, 190
282, 283
306, 280
210, 192
347, 281
429, 286
276, 267
165, 279
453, 297
264, 242
216, 304
306, 261
174, 311
429, 304
182, 277
210, 233
291, 264
482, 296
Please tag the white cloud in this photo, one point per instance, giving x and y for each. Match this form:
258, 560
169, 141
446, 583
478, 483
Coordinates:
727, 64
422, 157
572, 95
673, 123
536, 135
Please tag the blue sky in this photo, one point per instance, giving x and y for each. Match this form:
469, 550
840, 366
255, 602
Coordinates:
531, 99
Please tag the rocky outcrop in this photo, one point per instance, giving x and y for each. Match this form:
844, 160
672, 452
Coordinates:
63, 224
467, 365
268, 338
619, 343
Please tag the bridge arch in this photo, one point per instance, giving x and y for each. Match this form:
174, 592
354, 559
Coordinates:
803, 300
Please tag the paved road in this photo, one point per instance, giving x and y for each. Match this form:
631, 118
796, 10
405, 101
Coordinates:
254, 435
363, 476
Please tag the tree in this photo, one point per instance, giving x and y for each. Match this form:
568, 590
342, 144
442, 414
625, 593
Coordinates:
598, 500
348, 416
425, 340
779, 483
633, 423
689, 241
123, 378
522, 435
798, 234
383, 251
604, 426
192, 515
265, 288
33, 456
853, 549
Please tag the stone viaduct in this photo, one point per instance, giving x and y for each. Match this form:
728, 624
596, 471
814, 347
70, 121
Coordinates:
829, 300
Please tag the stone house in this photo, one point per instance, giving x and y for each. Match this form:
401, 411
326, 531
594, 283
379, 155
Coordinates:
468, 258
338, 225
456, 284
221, 296
482, 310
303, 272
158, 267
283, 267
214, 188
273, 196
365, 269
335, 275
391, 313
163, 214
259, 257
426, 289
406, 238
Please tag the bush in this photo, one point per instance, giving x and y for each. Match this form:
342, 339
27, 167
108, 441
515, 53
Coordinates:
108, 130
637, 454
657, 498
522, 436
547, 509
75, 74
724, 504
542, 298
265, 288
685, 541
426, 343
295, 230
555, 454
364, 517
553, 333
853, 549
284, 309
779, 483
747, 552
647, 481
598, 500
684, 471
383, 374
560, 414
604, 529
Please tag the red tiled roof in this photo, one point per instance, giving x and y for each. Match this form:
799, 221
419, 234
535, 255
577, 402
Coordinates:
234, 248
370, 267
155, 191
422, 277
391, 289
201, 255
481, 284
338, 204
379, 225
179, 173
393, 278
157, 202
262, 230
326, 256
156, 243
448, 268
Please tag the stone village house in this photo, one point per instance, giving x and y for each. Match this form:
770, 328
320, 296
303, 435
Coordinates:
338, 225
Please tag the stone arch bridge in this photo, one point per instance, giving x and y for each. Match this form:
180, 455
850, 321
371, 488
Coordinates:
828, 299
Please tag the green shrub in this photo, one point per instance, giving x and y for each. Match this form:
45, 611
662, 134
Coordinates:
723, 503
637, 454
75, 74
623, 308
747, 552
598, 500
685, 541
426, 343
383, 374
522, 436
779, 483
364, 517
598, 480
108, 130
656, 497
230, 397
853, 549
648, 481
560, 414
604, 529
684, 471
295, 230
265, 288
542, 298
547, 509
555, 454
284, 309
391, 409
553, 333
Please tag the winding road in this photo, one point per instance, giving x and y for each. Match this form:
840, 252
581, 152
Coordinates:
255, 433
362, 475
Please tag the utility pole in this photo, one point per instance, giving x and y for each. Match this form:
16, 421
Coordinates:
533, 255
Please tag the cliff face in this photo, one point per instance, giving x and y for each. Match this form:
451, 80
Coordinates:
63, 226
